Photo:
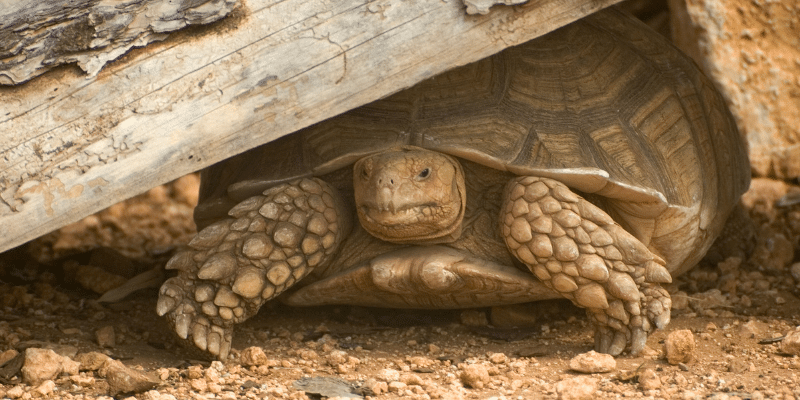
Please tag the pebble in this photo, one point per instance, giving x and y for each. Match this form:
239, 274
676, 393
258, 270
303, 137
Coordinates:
337, 357
45, 389
593, 362
648, 380
122, 379
154, 395
679, 346
91, 361
474, 375
44, 364
253, 356
7, 355
15, 392
577, 388
411, 379
376, 387
498, 358
397, 387
106, 336
791, 343
752, 329
388, 375
82, 380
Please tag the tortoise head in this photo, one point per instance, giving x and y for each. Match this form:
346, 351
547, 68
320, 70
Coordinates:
410, 195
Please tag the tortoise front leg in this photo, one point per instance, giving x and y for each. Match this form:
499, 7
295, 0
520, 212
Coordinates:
576, 249
235, 265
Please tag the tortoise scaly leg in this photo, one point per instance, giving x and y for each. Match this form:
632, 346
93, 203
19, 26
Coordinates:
235, 265
575, 248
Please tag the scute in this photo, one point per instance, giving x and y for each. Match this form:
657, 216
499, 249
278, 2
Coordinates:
603, 105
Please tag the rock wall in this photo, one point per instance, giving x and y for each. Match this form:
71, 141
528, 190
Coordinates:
751, 48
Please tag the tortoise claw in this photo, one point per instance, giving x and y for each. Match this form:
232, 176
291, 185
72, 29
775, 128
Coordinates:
170, 295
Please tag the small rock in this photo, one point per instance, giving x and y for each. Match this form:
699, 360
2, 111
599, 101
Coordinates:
45, 389
474, 375
592, 362
7, 355
474, 318
91, 361
199, 385
397, 387
82, 380
41, 365
498, 358
388, 375
411, 379
15, 392
106, 336
212, 375
752, 329
648, 380
337, 357
791, 343
375, 386
253, 356
577, 388
679, 346
122, 379
154, 395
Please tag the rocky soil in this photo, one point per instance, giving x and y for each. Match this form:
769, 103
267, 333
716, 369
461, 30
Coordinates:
57, 340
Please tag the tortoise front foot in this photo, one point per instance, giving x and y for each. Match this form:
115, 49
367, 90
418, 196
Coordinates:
576, 249
235, 265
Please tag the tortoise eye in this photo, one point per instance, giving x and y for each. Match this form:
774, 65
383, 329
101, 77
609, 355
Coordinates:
424, 173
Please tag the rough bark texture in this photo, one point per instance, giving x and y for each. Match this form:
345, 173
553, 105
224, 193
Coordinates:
36, 36
752, 50
73, 145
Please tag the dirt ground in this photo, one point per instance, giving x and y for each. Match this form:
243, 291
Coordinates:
737, 306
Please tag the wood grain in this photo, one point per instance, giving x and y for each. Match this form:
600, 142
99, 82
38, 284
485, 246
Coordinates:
36, 36
71, 145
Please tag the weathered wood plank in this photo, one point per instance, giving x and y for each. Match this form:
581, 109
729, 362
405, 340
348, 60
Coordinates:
72, 145
36, 35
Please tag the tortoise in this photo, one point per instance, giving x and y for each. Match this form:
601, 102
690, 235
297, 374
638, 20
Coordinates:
592, 163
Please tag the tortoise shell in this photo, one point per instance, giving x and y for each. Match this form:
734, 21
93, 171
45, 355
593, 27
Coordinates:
605, 105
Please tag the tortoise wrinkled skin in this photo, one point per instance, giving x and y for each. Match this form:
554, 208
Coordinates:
594, 163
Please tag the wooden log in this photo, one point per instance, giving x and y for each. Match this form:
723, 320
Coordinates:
36, 35
72, 145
